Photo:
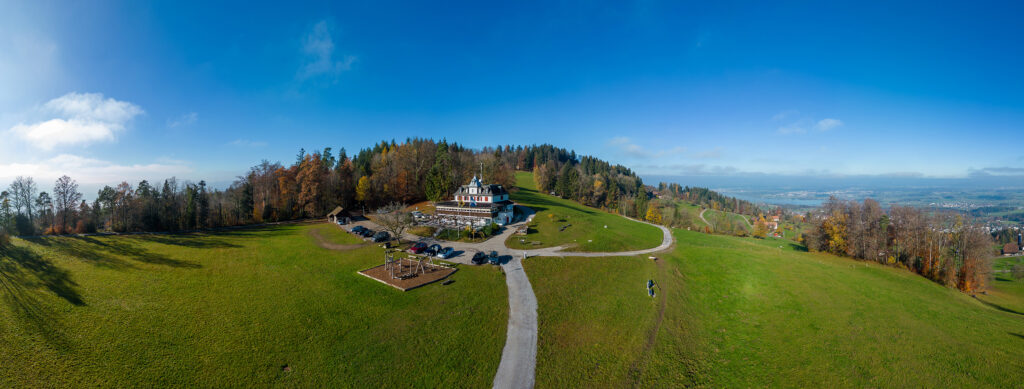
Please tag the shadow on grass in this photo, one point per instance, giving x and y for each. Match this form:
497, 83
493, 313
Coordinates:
797, 247
999, 307
110, 252
24, 278
196, 241
532, 199
1017, 335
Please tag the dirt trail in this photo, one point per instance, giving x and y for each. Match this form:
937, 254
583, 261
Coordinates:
652, 335
322, 242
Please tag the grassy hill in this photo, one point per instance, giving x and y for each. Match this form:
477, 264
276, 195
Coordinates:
234, 308
741, 312
586, 231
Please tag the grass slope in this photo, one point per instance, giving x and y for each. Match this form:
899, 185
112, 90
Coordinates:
741, 312
1006, 293
233, 308
586, 233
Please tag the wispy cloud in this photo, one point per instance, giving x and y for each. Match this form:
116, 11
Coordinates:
77, 119
90, 171
627, 147
709, 154
319, 51
1002, 171
790, 122
785, 114
828, 124
187, 119
247, 143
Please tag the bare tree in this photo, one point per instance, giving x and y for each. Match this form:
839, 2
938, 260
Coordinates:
66, 198
23, 191
394, 219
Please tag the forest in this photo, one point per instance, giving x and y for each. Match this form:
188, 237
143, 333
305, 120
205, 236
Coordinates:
408, 172
942, 247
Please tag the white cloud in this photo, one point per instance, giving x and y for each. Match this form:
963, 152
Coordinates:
247, 143
318, 46
802, 125
89, 171
792, 128
785, 114
710, 154
183, 120
626, 146
828, 124
81, 118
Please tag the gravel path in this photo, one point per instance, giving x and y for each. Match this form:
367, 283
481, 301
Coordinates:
519, 358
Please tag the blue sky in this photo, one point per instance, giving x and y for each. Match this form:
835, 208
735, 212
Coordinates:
106, 91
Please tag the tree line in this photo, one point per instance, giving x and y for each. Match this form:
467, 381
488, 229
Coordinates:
943, 247
388, 172
590, 181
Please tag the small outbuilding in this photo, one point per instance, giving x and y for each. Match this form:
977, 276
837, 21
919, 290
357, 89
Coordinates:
338, 213
1011, 249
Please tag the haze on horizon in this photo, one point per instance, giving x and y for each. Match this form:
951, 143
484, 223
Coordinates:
112, 91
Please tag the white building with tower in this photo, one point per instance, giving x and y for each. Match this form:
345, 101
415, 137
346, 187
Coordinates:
478, 204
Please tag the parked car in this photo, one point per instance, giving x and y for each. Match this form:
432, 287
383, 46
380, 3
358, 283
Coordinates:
417, 248
366, 233
494, 259
446, 253
432, 250
357, 229
381, 236
479, 258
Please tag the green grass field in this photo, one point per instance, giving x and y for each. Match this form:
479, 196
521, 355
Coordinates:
726, 222
232, 309
743, 312
1007, 293
586, 231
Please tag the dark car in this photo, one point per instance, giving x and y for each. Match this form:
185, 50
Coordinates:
366, 233
357, 229
418, 247
432, 250
381, 236
479, 258
494, 259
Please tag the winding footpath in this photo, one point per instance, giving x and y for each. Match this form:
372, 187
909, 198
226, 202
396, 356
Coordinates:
519, 357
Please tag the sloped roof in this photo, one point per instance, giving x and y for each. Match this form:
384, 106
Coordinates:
336, 211
1010, 248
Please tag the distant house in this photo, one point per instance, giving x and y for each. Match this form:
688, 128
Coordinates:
1011, 249
772, 225
775, 218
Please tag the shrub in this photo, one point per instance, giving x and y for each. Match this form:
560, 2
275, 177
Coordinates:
81, 228
1018, 271
4, 238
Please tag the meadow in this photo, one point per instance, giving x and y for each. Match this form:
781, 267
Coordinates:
589, 229
252, 307
744, 312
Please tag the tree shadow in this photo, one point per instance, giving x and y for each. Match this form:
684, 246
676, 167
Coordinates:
196, 241
24, 278
797, 247
999, 307
111, 253
1017, 335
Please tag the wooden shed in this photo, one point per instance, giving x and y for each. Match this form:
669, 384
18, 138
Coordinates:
338, 213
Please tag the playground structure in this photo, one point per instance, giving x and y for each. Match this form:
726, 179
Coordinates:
410, 266
406, 272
